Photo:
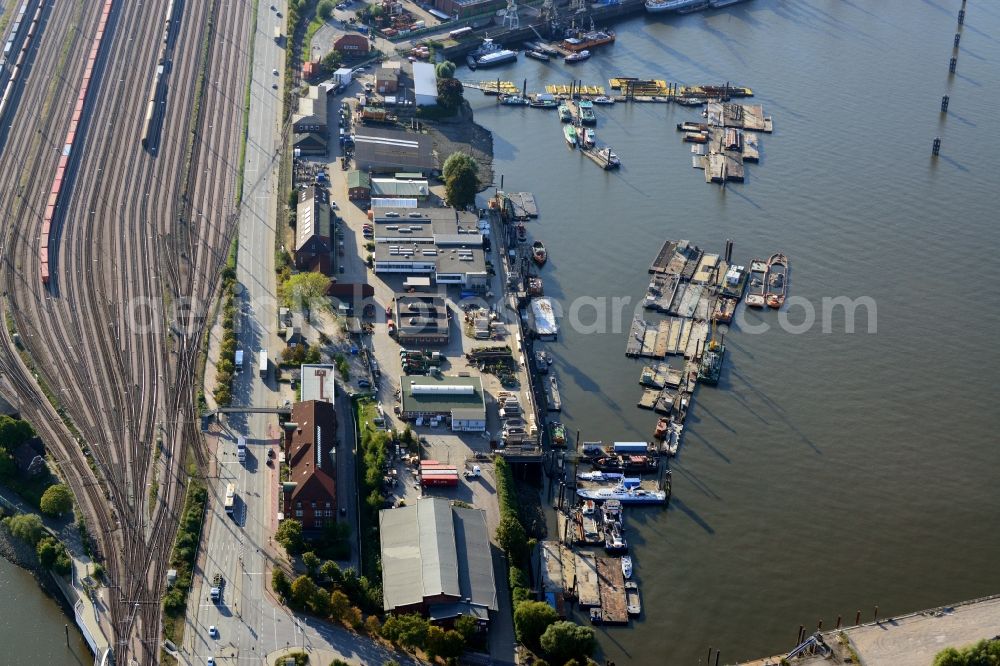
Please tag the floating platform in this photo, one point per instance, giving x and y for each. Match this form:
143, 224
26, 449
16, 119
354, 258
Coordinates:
568, 89
739, 116
655, 375
641, 87
522, 204
611, 582
552, 398
493, 87
648, 399
588, 592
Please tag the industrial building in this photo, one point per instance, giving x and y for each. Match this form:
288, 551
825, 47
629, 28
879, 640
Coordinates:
424, 84
436, 561
398, 188
387, 78
310, 116
387, 151
421, 319
310, 494
358, 185
352, 45
460, 399
318, 382
313, 245
461, 9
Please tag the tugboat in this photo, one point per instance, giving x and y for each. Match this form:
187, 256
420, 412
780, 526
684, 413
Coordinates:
758, 284
570, 133
558, 432
588, 40
710, 368
535, 286
538, 253
777, 280
661, 428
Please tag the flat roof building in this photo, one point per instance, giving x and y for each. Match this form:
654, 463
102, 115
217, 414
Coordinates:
424, 84
436, 561
421, 319
393, 188
461, 399
460, 265
318, 382
379, 150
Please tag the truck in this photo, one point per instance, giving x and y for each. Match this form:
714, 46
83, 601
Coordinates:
262, 363
215, 593
230, 498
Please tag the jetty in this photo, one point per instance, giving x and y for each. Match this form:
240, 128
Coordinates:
551, 387
522, 205
588, 592
727, 140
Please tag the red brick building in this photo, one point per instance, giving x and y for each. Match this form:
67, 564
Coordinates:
352, 45
310, 494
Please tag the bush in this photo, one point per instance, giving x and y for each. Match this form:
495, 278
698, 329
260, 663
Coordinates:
289, 535
518, 578
531, 619
280, 583
410, 630
984, 652
372, 625
565, 640
512, 539
27, 527
519, 594
311, 562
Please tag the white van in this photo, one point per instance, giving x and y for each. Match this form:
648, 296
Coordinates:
241, 448
238, 362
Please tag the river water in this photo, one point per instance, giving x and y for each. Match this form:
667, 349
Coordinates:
828, 472
32, 624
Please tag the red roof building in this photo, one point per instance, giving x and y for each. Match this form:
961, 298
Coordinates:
352, 45
310, 70
310, 494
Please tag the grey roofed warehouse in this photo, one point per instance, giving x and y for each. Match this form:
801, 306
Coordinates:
388, 151
436, 560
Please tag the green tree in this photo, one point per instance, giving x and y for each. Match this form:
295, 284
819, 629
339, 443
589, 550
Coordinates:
565, 640
511, 537
311, 562
13, 432
407, 630
330, 570
280, 584
306, 292
531, 619
56, 500
445, 644
435, 636
325, 9
372, 625
331, 62
450, 94
461, 179
445, 69
983, 653
27, 527
467, 626
303, 589
289, 535
339, 605
47, 550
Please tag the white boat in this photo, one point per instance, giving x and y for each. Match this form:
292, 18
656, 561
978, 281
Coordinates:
632, 604
627, 566
604, 100
589, 138
658, 6
577, 57
624, 494
489, 54
599, 476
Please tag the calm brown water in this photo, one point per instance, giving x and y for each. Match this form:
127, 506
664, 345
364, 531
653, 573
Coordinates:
829, 472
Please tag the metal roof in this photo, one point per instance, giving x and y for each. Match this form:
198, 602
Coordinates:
432, 549
318, 382
440, 404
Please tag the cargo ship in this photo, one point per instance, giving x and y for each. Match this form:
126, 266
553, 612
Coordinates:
777, 280
757, 287
588, 40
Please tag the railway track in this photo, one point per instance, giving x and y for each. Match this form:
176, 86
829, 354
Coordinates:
122, 237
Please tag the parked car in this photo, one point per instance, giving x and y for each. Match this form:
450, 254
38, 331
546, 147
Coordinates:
213, 632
